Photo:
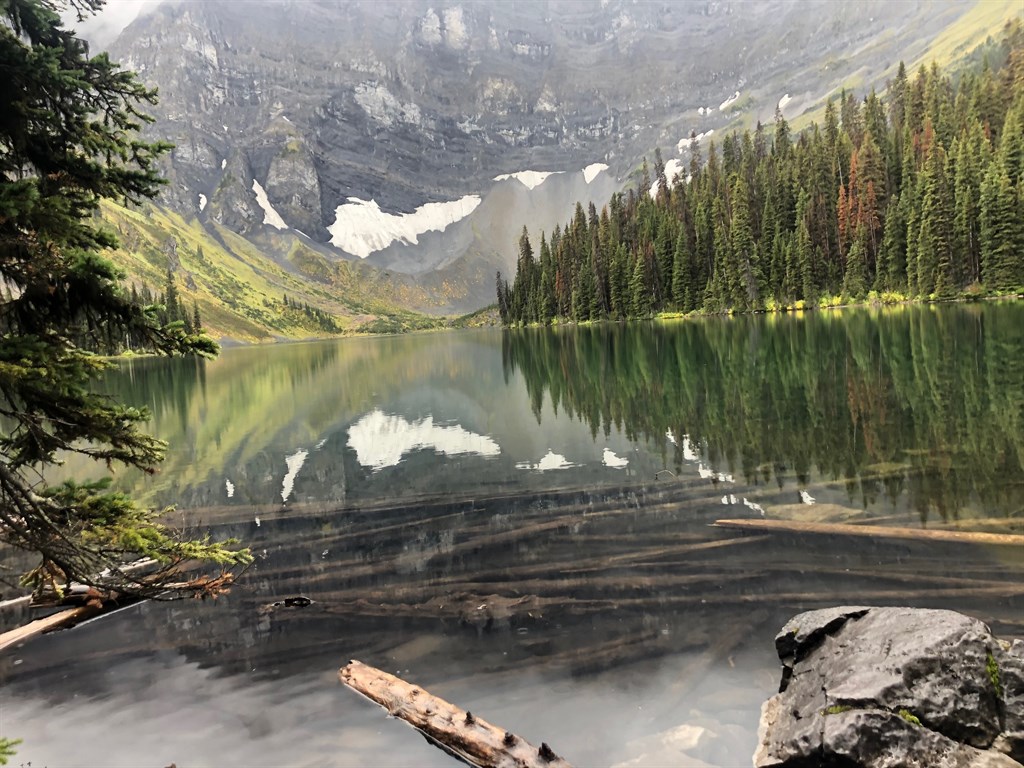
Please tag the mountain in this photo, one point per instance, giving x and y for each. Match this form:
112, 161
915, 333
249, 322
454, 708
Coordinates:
418, 137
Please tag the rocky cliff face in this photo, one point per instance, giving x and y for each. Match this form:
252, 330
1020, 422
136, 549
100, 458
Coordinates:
326, 104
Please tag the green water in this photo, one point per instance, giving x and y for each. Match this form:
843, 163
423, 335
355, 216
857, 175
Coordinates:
522, 522
915, 411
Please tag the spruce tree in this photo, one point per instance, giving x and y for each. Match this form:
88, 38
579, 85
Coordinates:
68, 139
1002, 232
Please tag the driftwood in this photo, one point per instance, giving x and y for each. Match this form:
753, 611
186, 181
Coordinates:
458, 732
875, 531
54, 621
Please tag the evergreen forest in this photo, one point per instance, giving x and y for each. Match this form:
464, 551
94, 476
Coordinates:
919, 194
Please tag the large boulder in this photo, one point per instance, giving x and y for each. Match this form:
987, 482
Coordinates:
885, 687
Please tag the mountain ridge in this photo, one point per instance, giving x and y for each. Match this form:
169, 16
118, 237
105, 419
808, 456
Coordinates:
425, 103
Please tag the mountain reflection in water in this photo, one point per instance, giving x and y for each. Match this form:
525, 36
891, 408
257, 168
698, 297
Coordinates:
593, 607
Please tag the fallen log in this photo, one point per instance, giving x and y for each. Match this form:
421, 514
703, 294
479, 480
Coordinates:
454, 730
54, 621
874, 531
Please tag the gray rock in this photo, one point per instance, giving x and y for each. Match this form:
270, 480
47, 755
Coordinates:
880, 687
1010, 663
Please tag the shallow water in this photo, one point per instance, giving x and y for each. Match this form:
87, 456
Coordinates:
520, 521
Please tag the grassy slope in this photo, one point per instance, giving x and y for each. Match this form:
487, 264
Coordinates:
240, 290
951, 49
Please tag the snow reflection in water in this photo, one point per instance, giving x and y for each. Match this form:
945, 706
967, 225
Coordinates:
551, 460
381, 440
294, 464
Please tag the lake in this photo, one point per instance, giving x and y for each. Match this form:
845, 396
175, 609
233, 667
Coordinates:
520, 521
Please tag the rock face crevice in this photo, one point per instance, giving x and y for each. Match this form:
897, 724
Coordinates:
888, 687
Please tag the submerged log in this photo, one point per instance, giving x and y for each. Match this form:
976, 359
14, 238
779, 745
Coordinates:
874, 531
456, 731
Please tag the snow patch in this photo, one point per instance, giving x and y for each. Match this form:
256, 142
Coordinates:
551, 460
380, 440
223, 164
591, 171
611, 460
360, 227
229, 487
784, 101
684, 143
725, 104
294, 464
202, 202
270, 216
672, 169
529, 179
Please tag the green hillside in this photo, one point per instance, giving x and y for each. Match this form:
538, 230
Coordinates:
240, 290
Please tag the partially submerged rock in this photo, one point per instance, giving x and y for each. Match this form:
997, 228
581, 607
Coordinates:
885, 687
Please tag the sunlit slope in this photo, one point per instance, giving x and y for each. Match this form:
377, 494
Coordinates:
240, 289
964, 31
955, 45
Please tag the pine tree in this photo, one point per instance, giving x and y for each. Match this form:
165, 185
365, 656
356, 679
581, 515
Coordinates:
172, 309
682, 291
935, 240
640, 287
68, 140
1002, 232
745, 277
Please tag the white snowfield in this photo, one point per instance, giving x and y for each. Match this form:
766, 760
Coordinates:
725, 104
202, 202
360, 227
380, 439
591, 171
529, 179
684, 143
784, 101
270, 216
